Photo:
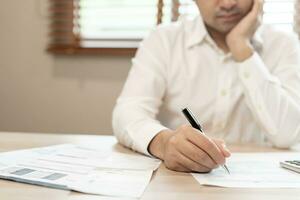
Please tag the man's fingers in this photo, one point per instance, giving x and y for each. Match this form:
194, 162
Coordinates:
190, 150
207, 145
258, 7
256, 14
191, 165
179, 167
221, 145
197, 155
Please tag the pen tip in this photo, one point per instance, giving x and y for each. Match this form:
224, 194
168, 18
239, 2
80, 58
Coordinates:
226, 168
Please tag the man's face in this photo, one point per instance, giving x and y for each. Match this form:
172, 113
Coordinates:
223, 15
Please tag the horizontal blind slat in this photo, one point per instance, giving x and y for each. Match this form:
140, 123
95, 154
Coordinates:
62, 26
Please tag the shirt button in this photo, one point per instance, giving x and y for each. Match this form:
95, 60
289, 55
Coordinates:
224, 92
246, 75
259, 107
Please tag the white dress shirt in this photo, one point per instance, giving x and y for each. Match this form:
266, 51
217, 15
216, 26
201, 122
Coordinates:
179, 65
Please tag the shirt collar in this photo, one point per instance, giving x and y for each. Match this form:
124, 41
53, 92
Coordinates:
196, 33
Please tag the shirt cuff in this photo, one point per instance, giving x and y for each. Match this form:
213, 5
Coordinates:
253, 72
142, 134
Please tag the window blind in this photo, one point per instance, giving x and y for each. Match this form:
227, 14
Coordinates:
64, 34
280, 13
116, 23
297, 17
109, 24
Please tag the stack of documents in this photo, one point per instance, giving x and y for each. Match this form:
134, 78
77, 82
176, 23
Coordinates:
253, 170
80, 168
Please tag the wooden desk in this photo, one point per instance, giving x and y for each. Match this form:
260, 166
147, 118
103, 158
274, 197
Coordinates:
165, 184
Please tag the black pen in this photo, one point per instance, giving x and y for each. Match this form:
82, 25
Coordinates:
195, 124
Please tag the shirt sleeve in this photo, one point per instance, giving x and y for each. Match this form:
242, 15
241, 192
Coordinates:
134, 116
274, 97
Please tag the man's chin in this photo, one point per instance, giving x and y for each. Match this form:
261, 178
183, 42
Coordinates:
225, 29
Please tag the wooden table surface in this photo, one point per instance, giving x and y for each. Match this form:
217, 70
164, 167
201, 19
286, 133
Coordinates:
164, 185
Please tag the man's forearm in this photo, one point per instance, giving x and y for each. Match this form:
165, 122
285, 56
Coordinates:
268, 98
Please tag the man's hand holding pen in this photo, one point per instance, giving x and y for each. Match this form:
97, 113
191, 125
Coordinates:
187, 149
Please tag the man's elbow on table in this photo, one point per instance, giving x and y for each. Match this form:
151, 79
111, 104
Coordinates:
118, 128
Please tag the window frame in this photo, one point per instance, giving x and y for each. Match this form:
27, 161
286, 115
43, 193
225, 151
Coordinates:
65, 10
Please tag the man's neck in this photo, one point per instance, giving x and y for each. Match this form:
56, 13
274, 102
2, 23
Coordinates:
219, 38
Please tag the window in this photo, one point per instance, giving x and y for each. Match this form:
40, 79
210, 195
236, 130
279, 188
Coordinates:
116, 23
103, 25
280, 13
117, 26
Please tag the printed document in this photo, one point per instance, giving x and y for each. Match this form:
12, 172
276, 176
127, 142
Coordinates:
80, 168
253, 170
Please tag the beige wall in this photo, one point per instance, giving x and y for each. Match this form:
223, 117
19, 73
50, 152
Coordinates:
40, 92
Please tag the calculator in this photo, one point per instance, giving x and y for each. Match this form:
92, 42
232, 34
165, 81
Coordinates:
291, 165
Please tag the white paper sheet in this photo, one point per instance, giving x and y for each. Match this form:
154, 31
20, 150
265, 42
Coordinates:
114, 182
253, 170
81, 168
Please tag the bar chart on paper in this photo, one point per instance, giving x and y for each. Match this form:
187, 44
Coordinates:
80, 168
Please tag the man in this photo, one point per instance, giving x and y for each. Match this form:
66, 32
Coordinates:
242, 81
